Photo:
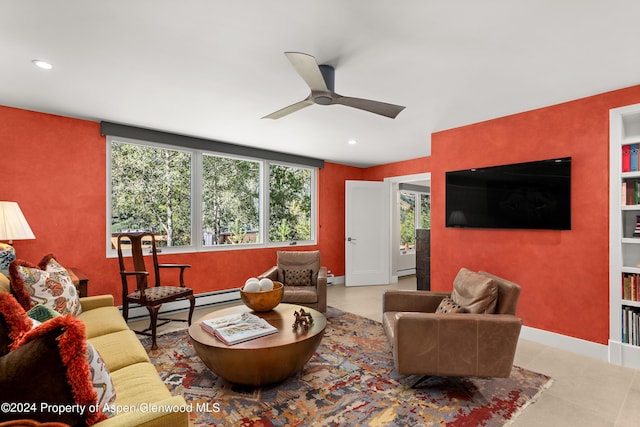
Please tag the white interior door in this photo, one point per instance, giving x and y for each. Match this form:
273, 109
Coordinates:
368, 233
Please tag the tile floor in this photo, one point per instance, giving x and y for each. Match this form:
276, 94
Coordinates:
585, 392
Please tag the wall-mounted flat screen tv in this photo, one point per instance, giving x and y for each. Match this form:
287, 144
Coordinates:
532, 195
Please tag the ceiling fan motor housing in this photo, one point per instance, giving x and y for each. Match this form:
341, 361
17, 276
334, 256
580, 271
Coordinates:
329, 75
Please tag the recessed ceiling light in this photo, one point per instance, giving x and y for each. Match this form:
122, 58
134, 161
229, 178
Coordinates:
42, 64
352, 142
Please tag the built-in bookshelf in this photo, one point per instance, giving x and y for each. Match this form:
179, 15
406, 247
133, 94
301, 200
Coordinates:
624, 282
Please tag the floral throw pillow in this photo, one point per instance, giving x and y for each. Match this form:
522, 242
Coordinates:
101, 380
447, 305
48, 284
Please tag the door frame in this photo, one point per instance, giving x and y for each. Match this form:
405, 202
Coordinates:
395, 216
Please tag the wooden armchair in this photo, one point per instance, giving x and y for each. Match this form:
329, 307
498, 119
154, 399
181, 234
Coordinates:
150, 297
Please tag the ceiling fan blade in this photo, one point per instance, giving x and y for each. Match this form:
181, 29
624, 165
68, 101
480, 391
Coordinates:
290, 109
382, 108
308, 69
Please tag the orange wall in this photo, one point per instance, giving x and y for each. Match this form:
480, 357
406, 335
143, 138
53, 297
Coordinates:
564, 274
408, 167
55, 168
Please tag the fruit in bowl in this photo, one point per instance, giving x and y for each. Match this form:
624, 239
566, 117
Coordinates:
262, 298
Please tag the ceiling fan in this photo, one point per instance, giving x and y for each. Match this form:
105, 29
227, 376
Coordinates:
320, 79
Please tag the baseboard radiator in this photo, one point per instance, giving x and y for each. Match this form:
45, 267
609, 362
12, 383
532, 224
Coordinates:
202, 300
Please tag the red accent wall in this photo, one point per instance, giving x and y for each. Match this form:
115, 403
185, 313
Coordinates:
407, 167
55, 168
564, 274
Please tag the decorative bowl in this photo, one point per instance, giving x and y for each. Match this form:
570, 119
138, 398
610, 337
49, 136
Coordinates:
263, 301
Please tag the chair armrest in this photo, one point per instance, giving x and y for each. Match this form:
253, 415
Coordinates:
271, 273
321, 289
134, 273
420, 301
182, 268
89, 303
454, 344
174, 265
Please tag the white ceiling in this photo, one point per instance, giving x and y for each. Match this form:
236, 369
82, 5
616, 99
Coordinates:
213, 68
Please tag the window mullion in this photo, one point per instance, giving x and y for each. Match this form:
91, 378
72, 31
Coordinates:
265, 225
196, 201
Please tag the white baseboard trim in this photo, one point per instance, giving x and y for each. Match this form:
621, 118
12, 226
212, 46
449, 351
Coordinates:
202, 300
337, 280
564, 342
406, 272
623, 354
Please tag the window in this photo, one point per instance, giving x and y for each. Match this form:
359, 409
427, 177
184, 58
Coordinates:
237, 201
425, 210
150, 190
230, 200
289, 203
407, 220
410, 219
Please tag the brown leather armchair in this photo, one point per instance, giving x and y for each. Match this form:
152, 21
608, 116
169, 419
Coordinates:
304, 279
454, 344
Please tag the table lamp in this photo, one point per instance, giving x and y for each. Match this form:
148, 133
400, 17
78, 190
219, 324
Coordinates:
13, 226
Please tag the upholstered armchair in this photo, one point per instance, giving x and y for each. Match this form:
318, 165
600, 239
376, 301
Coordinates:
304, 279
472, 331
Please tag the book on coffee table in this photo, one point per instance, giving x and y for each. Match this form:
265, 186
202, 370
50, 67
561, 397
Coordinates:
237, 328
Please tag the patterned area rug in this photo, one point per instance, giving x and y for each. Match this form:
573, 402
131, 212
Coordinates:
350, 381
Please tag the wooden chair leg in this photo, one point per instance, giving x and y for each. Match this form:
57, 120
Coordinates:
192, 305
125, 310
153, 313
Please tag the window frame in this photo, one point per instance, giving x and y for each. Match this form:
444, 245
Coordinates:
197, 244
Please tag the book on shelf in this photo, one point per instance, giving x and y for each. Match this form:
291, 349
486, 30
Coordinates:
236, 328
630, 325
630, 192
626, 158
631, 286
633, 158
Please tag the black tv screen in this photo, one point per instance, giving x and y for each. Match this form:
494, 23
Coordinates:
532, 195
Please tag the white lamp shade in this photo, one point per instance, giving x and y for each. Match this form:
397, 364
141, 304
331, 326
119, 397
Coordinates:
13, 225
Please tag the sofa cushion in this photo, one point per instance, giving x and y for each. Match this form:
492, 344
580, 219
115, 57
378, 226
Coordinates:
102, 321
48, 283
50, 364
475, 292
138, 383
119, 349
447, 305
4, 283
297, 277
300, 295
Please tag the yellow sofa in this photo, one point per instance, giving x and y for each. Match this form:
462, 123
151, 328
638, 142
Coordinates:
141, 396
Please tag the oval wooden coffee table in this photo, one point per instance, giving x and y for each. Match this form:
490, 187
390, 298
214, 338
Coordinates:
264, 360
